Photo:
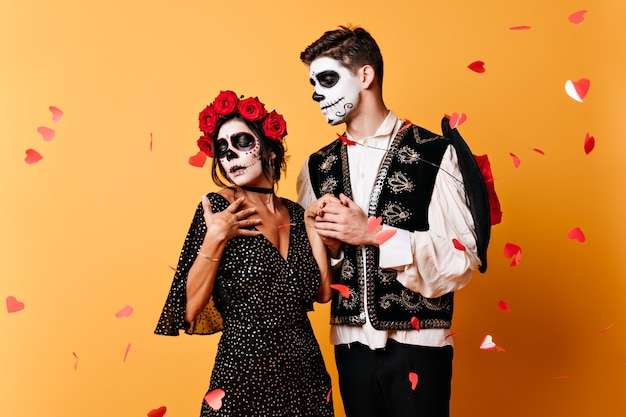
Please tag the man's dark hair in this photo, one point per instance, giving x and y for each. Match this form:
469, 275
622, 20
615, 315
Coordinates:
354, 47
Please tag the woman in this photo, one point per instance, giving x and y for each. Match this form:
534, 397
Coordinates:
247, 268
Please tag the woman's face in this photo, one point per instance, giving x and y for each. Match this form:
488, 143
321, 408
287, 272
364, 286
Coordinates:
239, 153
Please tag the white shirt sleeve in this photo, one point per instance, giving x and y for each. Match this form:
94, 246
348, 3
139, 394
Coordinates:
428, 262
306, 195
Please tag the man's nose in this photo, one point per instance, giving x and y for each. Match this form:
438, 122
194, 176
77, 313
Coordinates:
317, 97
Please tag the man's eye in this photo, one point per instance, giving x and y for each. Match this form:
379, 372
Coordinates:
328, 79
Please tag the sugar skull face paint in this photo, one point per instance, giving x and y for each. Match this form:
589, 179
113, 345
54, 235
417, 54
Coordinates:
337, 89
239, 153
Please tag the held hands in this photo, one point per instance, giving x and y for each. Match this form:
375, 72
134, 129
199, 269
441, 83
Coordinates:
341, 220
229, 223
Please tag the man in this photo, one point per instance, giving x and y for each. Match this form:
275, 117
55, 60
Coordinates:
387, 177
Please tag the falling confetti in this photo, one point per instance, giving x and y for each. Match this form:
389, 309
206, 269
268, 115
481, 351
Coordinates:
346, 140
457, 119
413, 378
606, 329
13, 305
126, 352
280, 226
451, 335
328, 394
385, 235
502, 305
539, 151
157, 412
56, 113
511, 250
577, 17
46, 133
590, 143
522, 27
576, 234
75, 360
172, 268
214, 398
458, 245
343, 289
577, 89
516, 161
373, 223
198, 160
125, 312
477, 66
415, 323
150, 141
487, 343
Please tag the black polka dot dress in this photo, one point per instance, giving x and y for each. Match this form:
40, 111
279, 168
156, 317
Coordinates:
268, 361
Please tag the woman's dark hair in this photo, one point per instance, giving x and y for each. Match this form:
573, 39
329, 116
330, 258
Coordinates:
272, 168
354, 47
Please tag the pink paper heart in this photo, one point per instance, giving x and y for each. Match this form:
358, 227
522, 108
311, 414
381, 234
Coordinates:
198, 159
214, 398
125, 312
577, 17
13, 305
487, 343
457, 119
516, 161
577, 89
343, 289
458, 245
46, 133
373, 223
576, 234
56, 113
413, 378
32, 156
415, 323
590, 143
157, 412
328, 394
477, 66
385, 235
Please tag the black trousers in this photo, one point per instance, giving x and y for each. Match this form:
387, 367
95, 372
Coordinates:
375, 383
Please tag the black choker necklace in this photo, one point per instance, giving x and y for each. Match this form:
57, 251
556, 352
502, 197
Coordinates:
258, 189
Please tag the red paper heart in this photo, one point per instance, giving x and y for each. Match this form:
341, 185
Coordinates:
415, 323
577, 89
13, 305
373, 223
458, 245
522, 27
343, 289
576, 234
157, 412
32, 156
328, 394
457, 119
56, 113
385, 235
125, 312
539, 151
198, 159
413, 378
516, 161
214, 398
503, 306
46, 133
577, 17
477, 66
590, 143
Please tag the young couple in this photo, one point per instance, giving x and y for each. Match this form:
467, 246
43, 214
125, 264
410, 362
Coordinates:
253, 263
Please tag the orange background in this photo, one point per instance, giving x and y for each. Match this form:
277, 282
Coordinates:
98, 222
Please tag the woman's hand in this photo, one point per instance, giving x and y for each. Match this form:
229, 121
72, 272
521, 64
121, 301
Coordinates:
229, 223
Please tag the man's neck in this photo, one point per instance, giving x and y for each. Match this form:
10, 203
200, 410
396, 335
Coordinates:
367, 121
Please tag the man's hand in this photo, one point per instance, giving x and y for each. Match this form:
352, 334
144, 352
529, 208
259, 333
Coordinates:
343, 220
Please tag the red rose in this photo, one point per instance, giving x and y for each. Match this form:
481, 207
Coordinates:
225, 103
252, 109
208, 120
205, 144
494, 202
274, 126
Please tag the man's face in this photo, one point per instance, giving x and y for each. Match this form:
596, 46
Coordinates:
337, 89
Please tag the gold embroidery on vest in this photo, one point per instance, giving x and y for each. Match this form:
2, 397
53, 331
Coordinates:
399, 182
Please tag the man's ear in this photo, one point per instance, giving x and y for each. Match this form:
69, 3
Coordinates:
367, 75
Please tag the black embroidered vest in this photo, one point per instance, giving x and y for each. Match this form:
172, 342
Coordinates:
401, 195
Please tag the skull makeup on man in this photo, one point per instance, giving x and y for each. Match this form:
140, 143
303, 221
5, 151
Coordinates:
337, 89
